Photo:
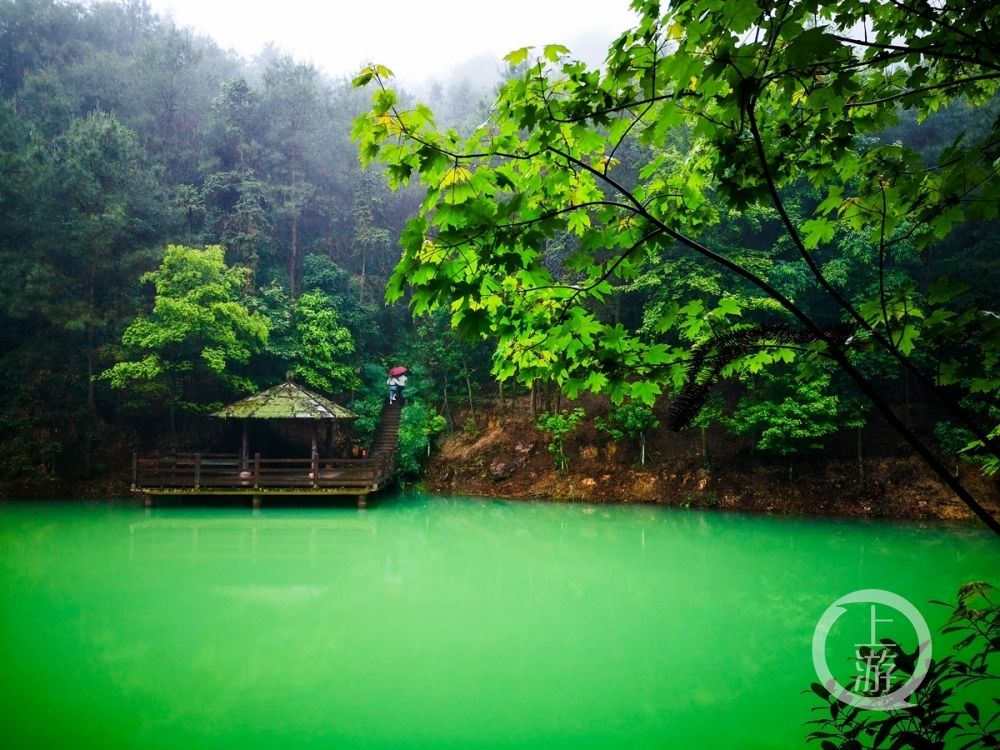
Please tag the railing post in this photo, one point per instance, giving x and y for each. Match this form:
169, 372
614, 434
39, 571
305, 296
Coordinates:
197, 471
314, 467
256, 471
135, 470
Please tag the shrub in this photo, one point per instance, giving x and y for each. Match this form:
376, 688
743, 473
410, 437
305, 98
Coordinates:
558, 425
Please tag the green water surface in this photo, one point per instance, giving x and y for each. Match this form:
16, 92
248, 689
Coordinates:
429, 622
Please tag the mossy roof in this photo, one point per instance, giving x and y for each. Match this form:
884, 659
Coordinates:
286, 401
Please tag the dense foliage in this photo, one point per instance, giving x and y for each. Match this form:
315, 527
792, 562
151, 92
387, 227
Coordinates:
197, 333
122, 135
737, 167
778, 197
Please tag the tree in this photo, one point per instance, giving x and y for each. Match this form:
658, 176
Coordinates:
960, 443
324, 349
418, 424
85, 223
559, 425
709, 414
180, 77
630, 421
360, 318
773, 96
792, 422
445, 361
291, 105
26, 32
194, 337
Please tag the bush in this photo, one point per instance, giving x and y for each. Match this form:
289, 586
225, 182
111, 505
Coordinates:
558, 426
629, 421
418, 424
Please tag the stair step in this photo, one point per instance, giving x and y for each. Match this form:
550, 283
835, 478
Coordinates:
386, 437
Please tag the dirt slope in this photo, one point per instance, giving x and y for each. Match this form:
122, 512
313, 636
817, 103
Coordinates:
507, 457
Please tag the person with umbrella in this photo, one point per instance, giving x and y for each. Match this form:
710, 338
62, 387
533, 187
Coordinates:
396, 382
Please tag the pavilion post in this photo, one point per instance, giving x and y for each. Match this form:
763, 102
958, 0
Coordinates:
245, 450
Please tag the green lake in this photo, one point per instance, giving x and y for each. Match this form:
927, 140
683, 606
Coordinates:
432, 622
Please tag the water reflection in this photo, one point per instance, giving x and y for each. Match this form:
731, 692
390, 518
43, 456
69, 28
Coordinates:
239, 537
429, 622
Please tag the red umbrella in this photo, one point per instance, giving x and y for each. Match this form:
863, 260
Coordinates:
397, 371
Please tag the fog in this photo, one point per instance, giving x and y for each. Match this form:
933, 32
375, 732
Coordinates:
420, 41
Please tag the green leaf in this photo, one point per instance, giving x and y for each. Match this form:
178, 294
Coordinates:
729, 306
518, 56
817, 231
578, 222
553, 52
944, 290
644, 391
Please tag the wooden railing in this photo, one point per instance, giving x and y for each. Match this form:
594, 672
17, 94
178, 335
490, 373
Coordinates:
196, 471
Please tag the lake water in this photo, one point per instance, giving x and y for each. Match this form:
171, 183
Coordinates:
428, 622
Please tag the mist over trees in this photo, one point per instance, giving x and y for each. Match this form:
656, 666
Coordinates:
121, 134
179, 226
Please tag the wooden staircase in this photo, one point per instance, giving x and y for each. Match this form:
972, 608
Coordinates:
386, 437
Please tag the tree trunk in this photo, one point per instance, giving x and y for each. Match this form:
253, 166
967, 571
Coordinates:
446, 410
642, 448
704, 447
361, 284
468, 388
293, 260
173, 425
861, 460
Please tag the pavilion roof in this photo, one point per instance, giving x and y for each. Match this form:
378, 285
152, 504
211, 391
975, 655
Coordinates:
288, 400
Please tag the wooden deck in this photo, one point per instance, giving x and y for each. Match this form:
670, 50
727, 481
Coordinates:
222, 474
231, 474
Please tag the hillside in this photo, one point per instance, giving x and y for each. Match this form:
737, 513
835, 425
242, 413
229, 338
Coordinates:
508, 457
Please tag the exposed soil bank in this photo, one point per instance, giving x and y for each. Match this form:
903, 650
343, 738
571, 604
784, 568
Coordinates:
507, 457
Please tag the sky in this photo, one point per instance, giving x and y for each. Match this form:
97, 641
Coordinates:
420, 40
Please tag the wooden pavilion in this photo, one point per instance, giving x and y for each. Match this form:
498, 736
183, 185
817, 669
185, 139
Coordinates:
243, 473
288, 403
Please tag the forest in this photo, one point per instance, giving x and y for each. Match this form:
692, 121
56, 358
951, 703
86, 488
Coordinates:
180, 227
